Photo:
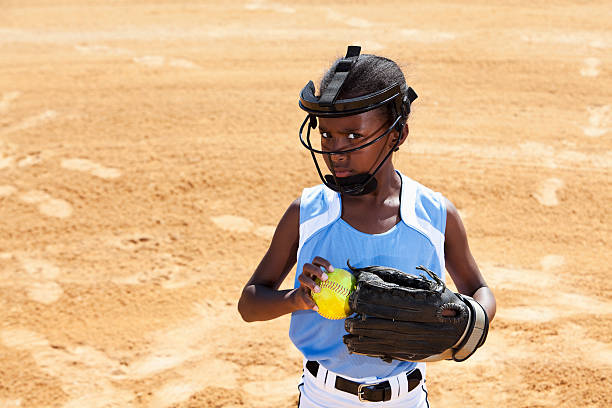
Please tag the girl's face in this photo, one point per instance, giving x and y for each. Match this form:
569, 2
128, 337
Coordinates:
349, 132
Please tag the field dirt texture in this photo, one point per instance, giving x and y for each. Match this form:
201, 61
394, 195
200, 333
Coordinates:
148, 150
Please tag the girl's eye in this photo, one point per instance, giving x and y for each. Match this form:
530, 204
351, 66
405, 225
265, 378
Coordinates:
353, 136
325, 135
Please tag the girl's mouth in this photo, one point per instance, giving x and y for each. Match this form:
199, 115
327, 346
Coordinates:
342, 172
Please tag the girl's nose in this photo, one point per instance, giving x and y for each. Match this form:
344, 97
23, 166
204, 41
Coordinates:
338, 158
339, 145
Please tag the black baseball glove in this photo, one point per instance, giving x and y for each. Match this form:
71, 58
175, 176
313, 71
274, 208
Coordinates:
400, 316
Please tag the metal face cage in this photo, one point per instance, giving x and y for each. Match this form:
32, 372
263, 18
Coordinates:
327, 105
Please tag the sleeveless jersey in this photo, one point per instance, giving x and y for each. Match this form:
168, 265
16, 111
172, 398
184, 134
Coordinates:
417, 240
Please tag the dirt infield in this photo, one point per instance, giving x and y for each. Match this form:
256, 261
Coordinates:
148, 149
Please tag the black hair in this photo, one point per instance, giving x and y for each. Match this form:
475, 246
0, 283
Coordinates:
370, 73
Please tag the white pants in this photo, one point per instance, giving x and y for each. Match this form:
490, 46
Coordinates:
320, 392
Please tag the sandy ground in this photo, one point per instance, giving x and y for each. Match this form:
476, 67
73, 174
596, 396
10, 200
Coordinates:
148, 149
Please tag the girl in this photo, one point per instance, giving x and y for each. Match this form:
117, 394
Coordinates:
366, 212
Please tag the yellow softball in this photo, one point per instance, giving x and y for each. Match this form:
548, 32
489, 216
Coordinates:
333, 299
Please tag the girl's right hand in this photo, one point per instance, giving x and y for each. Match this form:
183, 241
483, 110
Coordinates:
303, 294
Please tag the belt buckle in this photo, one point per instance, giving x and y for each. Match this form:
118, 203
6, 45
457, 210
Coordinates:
360, 392
360, 395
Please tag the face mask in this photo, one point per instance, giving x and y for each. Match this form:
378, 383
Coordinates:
399, 96
357, 184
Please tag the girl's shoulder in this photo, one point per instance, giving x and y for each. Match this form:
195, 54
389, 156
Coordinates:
420, 201
317, 201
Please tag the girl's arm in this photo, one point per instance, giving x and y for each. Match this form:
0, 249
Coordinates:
461, 264
261, 299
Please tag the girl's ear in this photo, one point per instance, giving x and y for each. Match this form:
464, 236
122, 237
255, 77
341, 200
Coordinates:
405, 131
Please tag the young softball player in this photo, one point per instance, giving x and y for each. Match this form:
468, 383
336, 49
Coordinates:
364, 211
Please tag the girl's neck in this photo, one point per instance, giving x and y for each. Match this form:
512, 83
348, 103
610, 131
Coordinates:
389, 184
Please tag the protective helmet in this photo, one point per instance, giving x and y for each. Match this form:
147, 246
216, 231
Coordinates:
398, 96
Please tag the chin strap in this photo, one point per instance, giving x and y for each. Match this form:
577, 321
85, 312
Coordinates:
358, 184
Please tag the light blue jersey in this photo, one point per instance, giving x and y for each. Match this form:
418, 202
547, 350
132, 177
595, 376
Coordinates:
417, 240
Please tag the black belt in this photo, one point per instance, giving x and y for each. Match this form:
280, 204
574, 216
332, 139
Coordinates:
368, 392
